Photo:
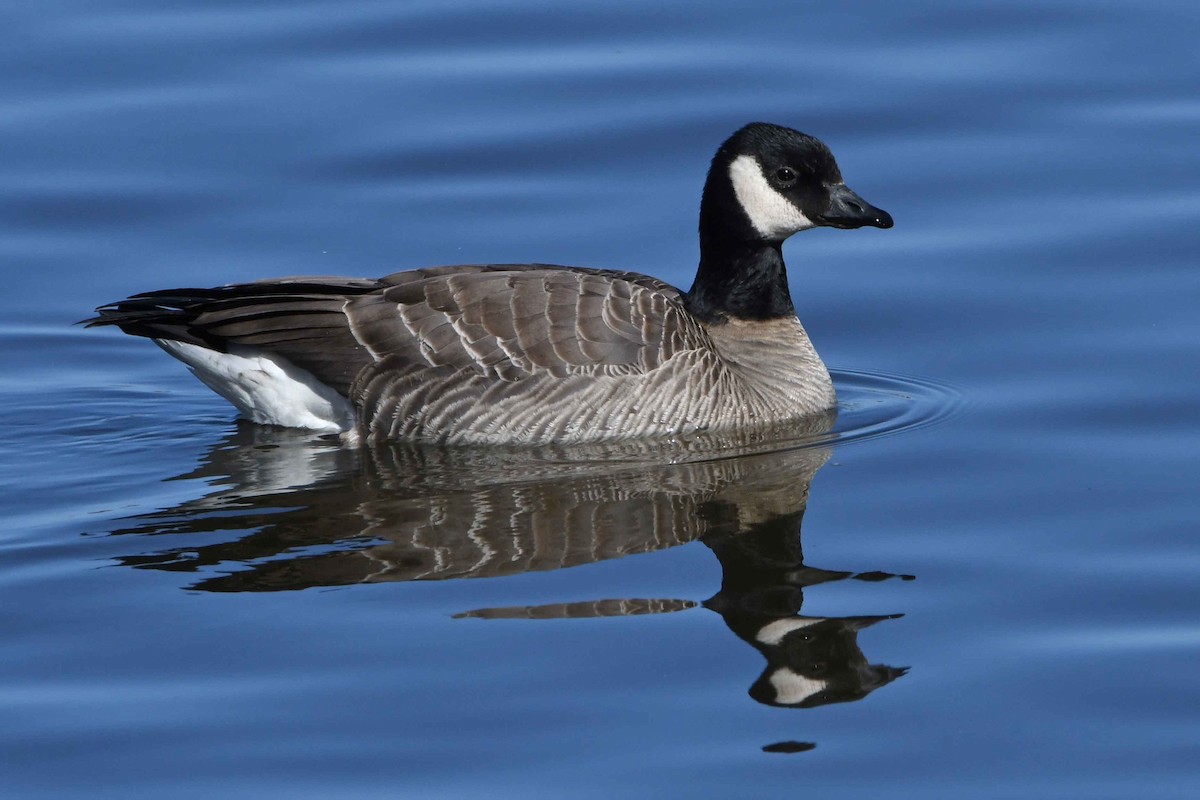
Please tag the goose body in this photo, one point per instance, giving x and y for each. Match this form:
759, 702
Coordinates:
535, 353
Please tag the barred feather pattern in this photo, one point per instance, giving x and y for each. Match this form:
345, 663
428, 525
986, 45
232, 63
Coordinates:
567, 355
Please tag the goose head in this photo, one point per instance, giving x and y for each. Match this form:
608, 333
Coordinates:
766, 183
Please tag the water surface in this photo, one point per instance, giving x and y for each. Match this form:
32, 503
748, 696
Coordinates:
980, 583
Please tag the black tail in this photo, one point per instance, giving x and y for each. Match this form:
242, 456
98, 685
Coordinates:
301, 319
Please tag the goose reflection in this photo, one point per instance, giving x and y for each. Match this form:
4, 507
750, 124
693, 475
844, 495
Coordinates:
292, 512
811, 661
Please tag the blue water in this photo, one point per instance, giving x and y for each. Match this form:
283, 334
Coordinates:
994, 591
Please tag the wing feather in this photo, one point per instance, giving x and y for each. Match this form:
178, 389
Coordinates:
505, 322
515, 321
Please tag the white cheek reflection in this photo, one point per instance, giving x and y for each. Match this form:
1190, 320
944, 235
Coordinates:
773, 632
791, 687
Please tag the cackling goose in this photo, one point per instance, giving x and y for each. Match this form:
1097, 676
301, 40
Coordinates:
534, 353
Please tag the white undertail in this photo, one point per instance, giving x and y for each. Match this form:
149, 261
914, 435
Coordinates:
266, 388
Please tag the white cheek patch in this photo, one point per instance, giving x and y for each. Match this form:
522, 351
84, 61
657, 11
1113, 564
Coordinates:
771, 214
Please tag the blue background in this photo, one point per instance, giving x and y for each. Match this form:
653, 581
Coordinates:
1040, 160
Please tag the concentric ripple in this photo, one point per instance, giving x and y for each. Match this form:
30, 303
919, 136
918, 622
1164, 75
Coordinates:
873, 404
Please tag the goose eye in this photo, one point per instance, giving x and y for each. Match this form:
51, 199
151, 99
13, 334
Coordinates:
785, 175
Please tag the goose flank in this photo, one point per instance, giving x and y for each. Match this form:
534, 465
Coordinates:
535, 353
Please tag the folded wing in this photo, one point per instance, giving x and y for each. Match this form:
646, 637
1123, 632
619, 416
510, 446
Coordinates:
503, 322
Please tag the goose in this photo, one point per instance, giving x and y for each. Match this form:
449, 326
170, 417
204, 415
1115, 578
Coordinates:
529, 354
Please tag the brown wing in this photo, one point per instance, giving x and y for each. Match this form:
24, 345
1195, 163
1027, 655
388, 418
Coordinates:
503, 321
509, 322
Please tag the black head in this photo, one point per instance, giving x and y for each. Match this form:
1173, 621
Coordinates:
768, 182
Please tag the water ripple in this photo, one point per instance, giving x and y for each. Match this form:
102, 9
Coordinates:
874, 404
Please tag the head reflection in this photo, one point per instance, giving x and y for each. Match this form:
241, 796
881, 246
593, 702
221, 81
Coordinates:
291, 512
811, 661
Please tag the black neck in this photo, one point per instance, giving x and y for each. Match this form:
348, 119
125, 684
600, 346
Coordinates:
737, 277
740, 274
